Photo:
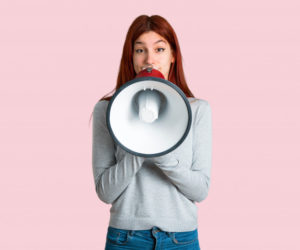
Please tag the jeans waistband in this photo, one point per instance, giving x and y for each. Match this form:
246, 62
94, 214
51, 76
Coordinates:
147, 232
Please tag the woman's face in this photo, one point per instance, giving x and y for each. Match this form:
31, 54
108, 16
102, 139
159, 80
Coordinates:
151, 48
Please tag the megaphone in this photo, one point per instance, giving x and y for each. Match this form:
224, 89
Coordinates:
149, 116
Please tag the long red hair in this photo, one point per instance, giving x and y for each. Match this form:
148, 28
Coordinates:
161, 26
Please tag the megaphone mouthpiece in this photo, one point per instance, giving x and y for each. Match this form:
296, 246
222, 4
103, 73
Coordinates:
150, 71
148, 102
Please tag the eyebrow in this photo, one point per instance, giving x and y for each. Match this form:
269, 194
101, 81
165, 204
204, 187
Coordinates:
138, 42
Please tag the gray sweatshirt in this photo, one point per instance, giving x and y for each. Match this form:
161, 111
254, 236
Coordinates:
160, 191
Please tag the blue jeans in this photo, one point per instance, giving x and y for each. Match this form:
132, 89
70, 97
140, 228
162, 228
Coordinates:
151, 239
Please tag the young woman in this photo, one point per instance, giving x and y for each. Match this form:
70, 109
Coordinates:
153, 200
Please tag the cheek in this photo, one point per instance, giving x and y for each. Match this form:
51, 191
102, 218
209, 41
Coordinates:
167, 60
167, 64
136, 65
136, 60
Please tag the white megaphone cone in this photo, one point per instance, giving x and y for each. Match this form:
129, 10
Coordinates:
149, 116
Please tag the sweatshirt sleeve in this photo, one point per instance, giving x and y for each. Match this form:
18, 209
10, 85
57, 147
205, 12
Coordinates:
113, 169
194, 183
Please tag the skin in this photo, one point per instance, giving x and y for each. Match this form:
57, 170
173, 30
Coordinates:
152, 49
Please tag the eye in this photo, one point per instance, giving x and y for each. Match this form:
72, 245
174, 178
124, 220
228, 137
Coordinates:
138, 50
161, 49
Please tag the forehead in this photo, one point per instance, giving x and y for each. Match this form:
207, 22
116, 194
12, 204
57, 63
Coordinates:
150, 38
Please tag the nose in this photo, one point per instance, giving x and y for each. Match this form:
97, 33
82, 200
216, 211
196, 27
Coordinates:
149, 58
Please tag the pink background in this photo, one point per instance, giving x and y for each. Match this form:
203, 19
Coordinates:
57, 58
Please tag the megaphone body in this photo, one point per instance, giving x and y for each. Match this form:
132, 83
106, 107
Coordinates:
149, 116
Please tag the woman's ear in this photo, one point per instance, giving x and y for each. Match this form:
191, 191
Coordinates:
173, 58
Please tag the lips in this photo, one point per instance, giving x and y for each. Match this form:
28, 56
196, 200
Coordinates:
150, 65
